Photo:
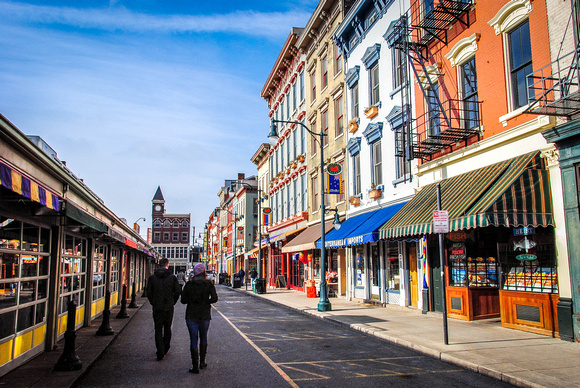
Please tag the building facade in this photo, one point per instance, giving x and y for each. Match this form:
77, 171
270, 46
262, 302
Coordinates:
379, 179
285, 94
171, 234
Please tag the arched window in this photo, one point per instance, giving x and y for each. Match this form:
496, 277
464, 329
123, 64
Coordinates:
185, 224
167, 224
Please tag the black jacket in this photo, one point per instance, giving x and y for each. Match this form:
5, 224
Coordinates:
199, 293
163, 289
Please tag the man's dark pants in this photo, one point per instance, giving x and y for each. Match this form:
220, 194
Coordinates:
163, 319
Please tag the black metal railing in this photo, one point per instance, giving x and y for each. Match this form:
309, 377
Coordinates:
433, 133
554, 89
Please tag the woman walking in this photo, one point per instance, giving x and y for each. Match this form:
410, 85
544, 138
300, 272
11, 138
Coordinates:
199, 293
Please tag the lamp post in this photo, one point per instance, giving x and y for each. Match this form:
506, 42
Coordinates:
324, 303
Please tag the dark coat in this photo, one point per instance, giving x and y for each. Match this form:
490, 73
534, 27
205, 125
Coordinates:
163, 289
199, 293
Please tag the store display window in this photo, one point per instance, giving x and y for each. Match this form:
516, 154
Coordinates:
472, 259
392, 264
73, 272
528, 261
24, 263
99, 272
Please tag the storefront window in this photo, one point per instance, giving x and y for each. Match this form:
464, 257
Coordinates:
115, 271
99, 272
392, 263
472, 258
24, 263
73, 273
375, 265
528, 261
10, 232
360, 265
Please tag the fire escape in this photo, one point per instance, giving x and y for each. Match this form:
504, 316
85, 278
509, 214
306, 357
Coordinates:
447, 122
554, 89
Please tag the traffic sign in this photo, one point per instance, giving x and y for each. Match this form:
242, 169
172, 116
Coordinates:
440, 221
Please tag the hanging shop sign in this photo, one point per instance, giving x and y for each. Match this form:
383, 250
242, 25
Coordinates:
525, 231
334, 168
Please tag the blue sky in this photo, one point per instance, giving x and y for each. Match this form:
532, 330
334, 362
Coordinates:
139, 94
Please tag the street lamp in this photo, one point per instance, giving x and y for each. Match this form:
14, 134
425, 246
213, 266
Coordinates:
324, 303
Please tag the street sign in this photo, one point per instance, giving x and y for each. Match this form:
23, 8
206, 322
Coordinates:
440, 221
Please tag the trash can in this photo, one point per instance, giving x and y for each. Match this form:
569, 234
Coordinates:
222, 277
237, 283
260, 286
310, 289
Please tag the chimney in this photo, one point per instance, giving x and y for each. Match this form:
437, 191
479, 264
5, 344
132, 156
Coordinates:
241, 176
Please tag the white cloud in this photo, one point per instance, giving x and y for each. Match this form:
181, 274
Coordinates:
113, 18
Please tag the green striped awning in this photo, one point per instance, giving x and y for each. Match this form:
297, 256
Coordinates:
512, 192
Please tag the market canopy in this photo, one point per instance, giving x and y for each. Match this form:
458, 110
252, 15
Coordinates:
515, 192
360, 229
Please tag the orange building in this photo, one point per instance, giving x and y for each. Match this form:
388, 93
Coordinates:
478, 143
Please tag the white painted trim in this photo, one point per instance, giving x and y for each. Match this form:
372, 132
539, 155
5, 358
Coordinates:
510, 15
463, 50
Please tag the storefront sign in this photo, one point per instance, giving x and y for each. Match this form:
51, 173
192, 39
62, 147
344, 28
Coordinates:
524, 231
526, 257
440, 221
334, 168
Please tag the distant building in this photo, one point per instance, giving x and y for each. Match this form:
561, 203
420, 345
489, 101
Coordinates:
170, 234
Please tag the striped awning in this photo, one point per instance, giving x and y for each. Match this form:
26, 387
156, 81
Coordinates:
20, 184
511, 193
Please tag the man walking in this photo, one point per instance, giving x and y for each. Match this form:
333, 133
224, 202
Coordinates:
163, 292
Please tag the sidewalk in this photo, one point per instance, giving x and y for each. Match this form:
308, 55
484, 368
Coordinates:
519, 358
38, 372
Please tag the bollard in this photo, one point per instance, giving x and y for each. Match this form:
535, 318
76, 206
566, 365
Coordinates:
106, 328
144, 294
123, 312
133, 304
69, 360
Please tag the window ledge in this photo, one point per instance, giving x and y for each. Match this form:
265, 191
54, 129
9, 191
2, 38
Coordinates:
396, 90
403, 179
503, 119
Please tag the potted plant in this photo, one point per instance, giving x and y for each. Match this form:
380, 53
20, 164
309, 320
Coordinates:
375, 192
354, 201
300, 158
353, 125
371, 111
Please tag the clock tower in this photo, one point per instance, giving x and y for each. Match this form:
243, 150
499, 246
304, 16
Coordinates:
158, 204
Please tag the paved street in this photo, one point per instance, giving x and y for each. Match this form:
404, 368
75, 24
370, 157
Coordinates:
255, 343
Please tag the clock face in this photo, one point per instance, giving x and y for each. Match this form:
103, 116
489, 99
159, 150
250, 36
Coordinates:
157, 207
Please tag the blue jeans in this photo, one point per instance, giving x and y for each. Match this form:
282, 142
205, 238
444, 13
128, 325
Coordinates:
197, 330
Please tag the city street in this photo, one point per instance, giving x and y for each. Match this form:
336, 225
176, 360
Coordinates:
255, 343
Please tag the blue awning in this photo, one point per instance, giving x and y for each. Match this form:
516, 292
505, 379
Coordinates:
360, 229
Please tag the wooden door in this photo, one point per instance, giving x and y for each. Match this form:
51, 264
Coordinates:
413, 278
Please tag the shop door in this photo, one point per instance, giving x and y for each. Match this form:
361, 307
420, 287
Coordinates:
413, 278
435, 273
277, 270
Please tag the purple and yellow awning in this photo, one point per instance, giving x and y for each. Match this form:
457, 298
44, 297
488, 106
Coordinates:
20, 184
